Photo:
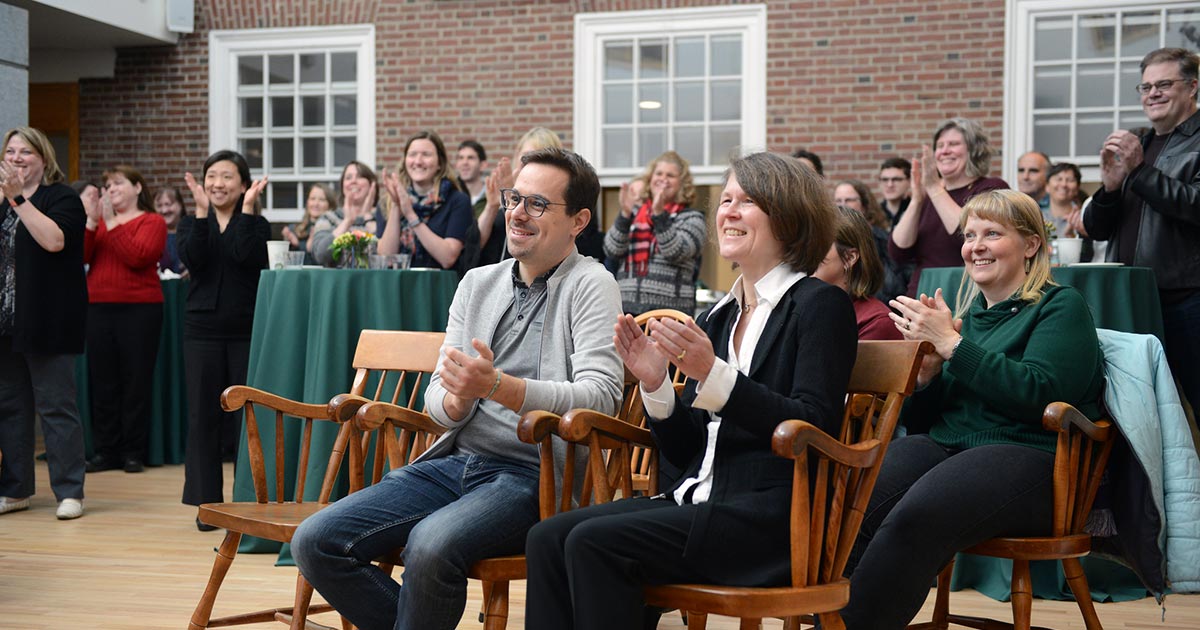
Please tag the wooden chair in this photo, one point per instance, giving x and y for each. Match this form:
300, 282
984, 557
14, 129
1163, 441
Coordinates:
641, 456
411, 433
411, 357
1080, 456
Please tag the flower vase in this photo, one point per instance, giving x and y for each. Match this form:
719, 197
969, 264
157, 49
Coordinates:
357, 256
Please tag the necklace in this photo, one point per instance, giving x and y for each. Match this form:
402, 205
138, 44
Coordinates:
747, 306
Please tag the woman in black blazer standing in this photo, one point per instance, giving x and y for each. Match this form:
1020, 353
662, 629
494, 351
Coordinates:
224, 247
781, 345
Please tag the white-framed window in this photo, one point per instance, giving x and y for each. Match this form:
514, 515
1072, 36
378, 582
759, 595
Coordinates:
1073, 65
297, 102
691, 80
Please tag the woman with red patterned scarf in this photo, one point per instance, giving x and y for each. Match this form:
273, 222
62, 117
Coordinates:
659, 239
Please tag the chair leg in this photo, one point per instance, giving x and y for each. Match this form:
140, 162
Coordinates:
496, 606
1073, 571
941, 602
696, 620
304, 592
832, 621
1022, 595
225, 555
750, 624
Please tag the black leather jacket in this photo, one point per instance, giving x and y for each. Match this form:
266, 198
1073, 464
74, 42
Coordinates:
1169, 235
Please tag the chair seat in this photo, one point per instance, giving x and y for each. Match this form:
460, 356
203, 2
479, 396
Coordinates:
501, 569
273, 521
733, 601
1050, 548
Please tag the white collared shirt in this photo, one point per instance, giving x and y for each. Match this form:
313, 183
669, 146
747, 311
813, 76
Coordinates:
714, 391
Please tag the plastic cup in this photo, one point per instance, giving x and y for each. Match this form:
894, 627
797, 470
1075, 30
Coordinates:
377, 261
295, 260
399, 261
1069, 250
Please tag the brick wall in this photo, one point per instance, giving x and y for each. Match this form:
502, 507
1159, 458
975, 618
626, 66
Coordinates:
853, 80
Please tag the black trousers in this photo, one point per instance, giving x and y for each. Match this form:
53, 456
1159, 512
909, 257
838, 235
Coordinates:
587, 567
122, 342
212, 365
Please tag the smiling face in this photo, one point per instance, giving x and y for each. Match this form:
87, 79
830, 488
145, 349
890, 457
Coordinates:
540, 243
223, 184
354, 185
994, 255
421, 163
846, 195
744, 234
121, 193
1031, 175
468, 164
1167, 108
28, 162
666, 177
951, 153
1063, 187
317, 203
169, 208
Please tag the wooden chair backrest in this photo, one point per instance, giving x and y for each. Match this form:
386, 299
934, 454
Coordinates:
1080, 457
408, 356
642, 457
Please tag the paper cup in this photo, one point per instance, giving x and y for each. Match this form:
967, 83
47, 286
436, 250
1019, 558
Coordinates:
1069, 250
277, 254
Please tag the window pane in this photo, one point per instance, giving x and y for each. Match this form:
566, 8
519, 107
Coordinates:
1051, 87
1139, 33
689, 57
283, 113
727, 55
250, 112
726, 99
250, 70
1052, 135
313, 110
652, 103
1090, 132
252, 150
653, 60
689, 102
722, 141
1094, 86
343, 67
312, 68
618, 104
284, 196
282, 70
1180, 24
618, 60
1130, 77
345, 109
314, 153
1052, 39
618, 148
652, 141
345, 148
689, 142
1097, 36
281, 154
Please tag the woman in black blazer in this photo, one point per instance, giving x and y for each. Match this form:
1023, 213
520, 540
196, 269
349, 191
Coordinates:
224, 247
781, 345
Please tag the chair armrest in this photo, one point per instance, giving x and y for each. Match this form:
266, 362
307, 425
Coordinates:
535, 426
236, 396
793, 437
578, 423
343, 406
1059, 416
373, 414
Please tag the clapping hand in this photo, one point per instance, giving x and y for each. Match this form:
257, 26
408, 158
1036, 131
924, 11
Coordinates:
639, 353
399, 195
465, 376
12, 179
252, 194
198, 195
1122, 153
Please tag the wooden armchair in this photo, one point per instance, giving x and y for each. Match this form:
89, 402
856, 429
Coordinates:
410, 357
1080, 457
408, 434
641, 456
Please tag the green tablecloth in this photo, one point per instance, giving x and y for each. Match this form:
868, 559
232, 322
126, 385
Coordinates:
1120, 298
168, 411
306, 327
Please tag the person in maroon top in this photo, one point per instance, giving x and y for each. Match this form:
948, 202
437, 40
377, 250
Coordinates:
853, 264
122, 244
943, 179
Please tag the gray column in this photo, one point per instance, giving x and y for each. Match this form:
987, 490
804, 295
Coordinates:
14, 66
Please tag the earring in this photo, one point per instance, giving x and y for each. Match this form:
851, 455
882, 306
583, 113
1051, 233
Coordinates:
1028, 264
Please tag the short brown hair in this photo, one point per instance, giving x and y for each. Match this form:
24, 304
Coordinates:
793, 196
865, 277
366, 172
583, 186
1189, 62
145, 201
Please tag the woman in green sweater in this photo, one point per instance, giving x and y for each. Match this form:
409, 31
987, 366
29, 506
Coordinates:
980, 466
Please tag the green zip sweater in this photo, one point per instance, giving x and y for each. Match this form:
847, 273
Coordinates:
1014, 359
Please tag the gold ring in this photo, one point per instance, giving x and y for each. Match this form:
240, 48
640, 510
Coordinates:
907, 325
681, 355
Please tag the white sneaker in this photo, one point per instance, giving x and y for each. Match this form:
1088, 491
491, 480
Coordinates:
9, 504
69, 509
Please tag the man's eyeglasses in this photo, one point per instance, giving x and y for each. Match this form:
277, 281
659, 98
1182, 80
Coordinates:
892, 180
535, 206
1161, 86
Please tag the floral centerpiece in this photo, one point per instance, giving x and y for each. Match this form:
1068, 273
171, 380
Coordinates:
352, 249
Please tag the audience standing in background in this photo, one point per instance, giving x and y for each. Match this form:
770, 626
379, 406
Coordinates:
1033, 172
122, 245
944, 177
224, 246
43, 307
169, 203
1066, 199
659, 239
810, 159
357, 211
470, 162
317, 204
895, 182
855, 195
853, 265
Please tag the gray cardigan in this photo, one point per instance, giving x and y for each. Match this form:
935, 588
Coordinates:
579, 366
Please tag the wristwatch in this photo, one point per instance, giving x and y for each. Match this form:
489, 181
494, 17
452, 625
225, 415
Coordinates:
18, 200
413, 223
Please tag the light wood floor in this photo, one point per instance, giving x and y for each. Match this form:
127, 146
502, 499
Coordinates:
135, 560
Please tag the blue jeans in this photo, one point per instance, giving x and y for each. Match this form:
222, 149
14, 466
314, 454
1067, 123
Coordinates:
447, 513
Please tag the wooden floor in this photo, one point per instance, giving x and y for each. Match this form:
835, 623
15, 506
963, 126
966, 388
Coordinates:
136, 560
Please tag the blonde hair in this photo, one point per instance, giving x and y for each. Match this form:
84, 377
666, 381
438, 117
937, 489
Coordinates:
41, 144
687, 187
1017, 210
541, 137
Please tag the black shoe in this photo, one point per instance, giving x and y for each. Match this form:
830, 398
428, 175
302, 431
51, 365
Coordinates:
133, 466
100, 463
204, 527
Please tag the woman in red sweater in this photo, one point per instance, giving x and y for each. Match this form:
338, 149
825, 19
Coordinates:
123, 243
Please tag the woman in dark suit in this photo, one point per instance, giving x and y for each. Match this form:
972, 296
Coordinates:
781, 345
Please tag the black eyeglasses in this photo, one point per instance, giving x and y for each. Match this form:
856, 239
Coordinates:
535, 206
1161, 86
